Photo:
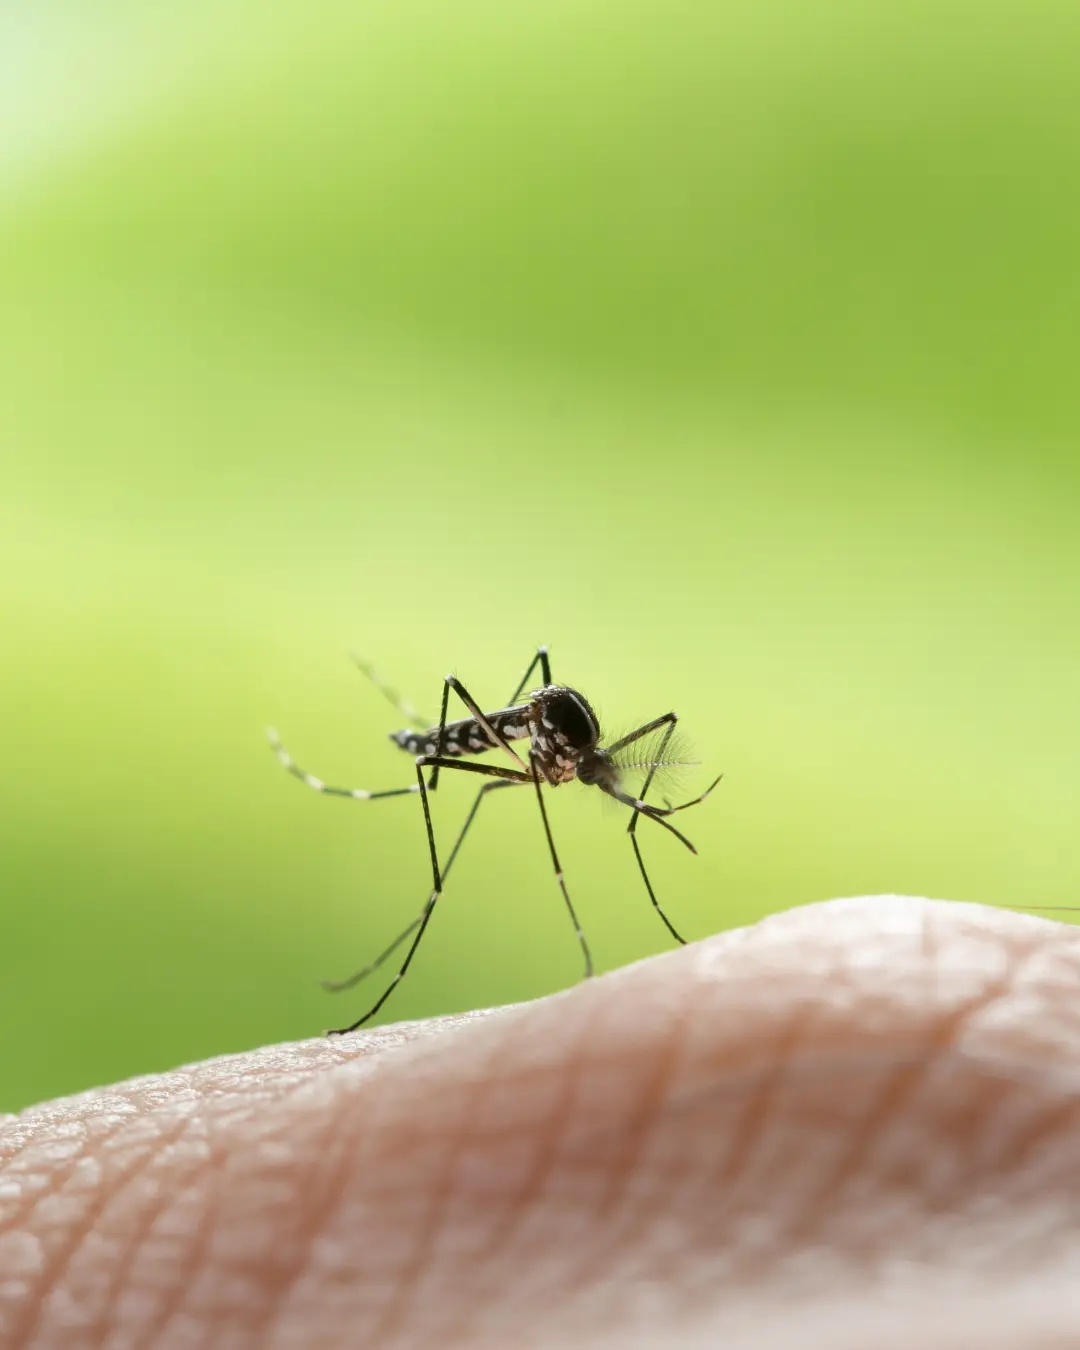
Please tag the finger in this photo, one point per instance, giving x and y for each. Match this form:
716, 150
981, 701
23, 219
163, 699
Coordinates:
778, 1137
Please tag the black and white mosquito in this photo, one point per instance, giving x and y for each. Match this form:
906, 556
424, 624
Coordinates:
564, 744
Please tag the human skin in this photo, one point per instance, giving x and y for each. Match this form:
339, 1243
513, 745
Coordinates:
855, 1124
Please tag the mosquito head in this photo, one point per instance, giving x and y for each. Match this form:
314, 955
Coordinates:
563, 730
595, 769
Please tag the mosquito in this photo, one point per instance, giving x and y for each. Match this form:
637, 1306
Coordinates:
564, 744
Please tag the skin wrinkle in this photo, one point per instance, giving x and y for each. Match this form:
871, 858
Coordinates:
653, 1094
368, 1139
945, 1033
1018, 1180
901, 1088
749, 1127
633, 1162
1041, 1128
526, 1226
753, 1233
962, 1026
333, 1150
215, 1161
966, 1121
55, 1268
361, 1132
968, 1006
956, 1206
440, 1197
23, 1216
521, 1255
679, 1186
335, 1156
339, 1153
579, 1066
684, 1180
581, 1031
996, 1080
639, 1127
140, 1232
906, 1183
677, 1263
148, 1260
190, 1266
748, 1157
335, 1053
523, 1198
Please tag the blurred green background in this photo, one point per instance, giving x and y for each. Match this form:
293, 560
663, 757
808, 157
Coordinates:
731, 350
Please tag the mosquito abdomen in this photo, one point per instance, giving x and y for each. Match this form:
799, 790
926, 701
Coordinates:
467, 737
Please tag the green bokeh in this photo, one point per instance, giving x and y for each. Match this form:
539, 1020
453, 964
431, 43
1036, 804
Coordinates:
730, 350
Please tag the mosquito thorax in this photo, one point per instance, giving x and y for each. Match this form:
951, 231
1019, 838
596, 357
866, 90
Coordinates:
563, 730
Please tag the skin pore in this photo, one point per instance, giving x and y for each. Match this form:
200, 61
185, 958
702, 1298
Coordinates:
856, 1124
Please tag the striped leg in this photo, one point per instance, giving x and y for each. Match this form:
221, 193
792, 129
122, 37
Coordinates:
410, 714
403, 706
632, 831
541, 660
502, 777
558, 869
317, 785
339, 986
452, 682
639, 808
420, 925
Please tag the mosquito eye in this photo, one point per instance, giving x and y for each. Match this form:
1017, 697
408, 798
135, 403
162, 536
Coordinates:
568, 714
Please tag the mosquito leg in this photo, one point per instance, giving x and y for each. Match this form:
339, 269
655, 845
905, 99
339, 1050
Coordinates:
558, 870
451, 682
652, 894
541, 659
419, 926
639, 808
656, 812
471, 766
632, 831
497, 738
339, 986
668, 810
403, 706
425, 915
317, 785
351, 981
668, 719
671, 719
440, 739
696, 800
